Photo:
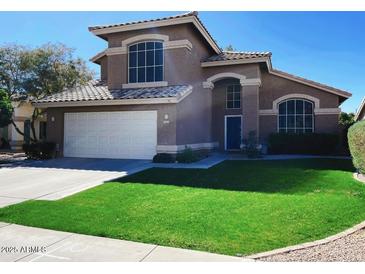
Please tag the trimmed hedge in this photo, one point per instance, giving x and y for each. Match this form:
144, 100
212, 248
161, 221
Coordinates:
163, 158
356, 138
40, 151
302, 143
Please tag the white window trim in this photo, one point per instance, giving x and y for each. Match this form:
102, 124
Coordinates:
146, 84
225, 129
227, 108
286, 126
317, 109
143, 38
209, 83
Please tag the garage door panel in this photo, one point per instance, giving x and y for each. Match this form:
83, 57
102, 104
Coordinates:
128, 134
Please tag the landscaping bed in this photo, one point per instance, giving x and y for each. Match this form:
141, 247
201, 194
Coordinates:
234, 208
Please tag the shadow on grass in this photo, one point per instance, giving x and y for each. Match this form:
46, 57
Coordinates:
284, 176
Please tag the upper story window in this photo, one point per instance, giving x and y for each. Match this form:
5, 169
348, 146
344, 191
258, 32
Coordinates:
233, 97
145, 62
296, 116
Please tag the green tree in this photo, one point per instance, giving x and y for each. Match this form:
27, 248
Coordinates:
347, 119
229, 48
6, 109
37, 72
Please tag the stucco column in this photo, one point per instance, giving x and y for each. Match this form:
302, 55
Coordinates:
250, 108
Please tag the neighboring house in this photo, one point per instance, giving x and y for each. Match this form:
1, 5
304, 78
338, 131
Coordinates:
166, 84
360, 113
22, 116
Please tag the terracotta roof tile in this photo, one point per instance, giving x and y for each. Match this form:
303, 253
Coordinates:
96, 90
192, 13
236, 55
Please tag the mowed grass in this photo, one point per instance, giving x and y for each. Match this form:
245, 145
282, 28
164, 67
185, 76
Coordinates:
236, 207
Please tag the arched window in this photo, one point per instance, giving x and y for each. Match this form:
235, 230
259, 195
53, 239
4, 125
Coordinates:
296, 116
145, 62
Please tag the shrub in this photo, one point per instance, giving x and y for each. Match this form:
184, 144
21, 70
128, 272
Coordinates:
356, 137
187, 156
250, 146
302, 143
41, 150
163, 158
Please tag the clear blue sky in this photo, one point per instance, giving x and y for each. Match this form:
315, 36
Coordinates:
323, 46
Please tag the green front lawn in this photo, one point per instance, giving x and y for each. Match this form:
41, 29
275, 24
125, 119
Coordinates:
237, 207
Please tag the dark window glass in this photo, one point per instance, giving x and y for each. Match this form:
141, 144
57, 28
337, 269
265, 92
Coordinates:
282, 108
308, 121
290, 106
150, 58
230, 104
132, 75
282, 121
237, 96
133, 48
141, 75
141, 46
308, 130
147, 59
150, 45
230, 96
299, 107
308, 108
150, 74
158, 45
141, 58
158, 73
158, 57
132, 59
291, 121
236, 104
299, 123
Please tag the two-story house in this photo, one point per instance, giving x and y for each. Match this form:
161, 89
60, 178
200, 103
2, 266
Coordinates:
166, 84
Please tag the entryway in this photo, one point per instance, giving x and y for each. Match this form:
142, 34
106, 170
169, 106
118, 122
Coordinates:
233, 132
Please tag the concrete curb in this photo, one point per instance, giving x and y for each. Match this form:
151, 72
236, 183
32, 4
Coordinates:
359, 177
309, 244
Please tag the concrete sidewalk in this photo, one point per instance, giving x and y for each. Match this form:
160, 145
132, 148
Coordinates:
28, 244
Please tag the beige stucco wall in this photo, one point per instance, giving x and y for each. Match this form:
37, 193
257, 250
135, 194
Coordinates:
274, 87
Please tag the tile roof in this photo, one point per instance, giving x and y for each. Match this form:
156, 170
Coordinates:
236, 55
96, 90
192, 13
310, 82
184, 15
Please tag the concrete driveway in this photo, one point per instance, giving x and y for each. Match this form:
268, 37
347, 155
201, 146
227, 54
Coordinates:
58, 178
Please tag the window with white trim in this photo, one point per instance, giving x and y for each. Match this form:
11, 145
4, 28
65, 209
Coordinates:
296, 116
145, 62
233, 97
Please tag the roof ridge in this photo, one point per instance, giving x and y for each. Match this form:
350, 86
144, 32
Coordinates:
186, 14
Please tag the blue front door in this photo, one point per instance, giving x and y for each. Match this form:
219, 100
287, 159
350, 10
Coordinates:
233, 132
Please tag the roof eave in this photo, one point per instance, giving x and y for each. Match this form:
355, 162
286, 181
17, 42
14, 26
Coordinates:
361, 108
154, 24
266, 60
96, 59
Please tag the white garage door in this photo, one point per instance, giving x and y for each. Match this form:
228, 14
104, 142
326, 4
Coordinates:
119, 134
